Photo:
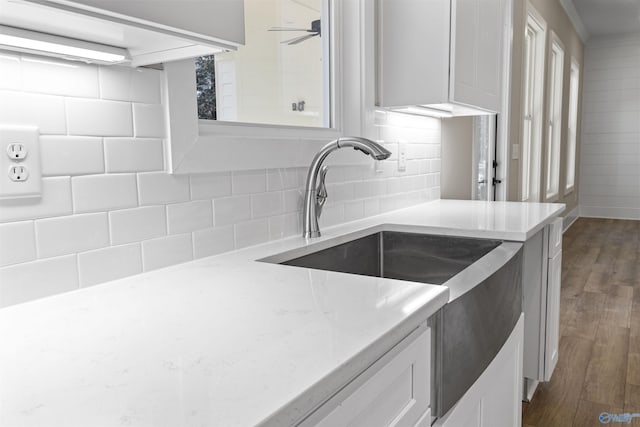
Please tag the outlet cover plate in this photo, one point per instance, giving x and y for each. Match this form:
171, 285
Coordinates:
28, 137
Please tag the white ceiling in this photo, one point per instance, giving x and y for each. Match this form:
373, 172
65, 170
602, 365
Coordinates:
608, 17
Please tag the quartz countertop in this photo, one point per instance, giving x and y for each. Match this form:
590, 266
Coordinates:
225, 340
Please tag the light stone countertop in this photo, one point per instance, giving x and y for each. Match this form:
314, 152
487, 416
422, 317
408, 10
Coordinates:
225, 340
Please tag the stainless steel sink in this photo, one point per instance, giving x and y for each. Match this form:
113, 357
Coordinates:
406, 256
484, 278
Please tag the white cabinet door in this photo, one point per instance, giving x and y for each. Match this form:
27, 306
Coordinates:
394, 394
552, 341
434, 52
476, 52
494, 399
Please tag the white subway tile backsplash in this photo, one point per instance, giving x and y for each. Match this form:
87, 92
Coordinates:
133, 155
102, 151
10, 77
96, 117
59, 77
283, 179
71, 234
44, 111
111, 263
231, 210
95, 193
55, 201
284, 225
71, 155
148, 120
136, 225
17, 243
130, 84
251, 232
38, 279
189, 216
210, 186
212, 241
247, 182
166, 251
162, 188
267, 204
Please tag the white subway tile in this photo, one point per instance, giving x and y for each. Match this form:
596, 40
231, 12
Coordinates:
55, 201
99, 117
189, 216
251, 232
148, 120
161, 188
213, 241
59, 77
17, 243
71, 234
210, 186
112, 263
282, 179
10, 76
354, 210
231, 210
284, 225
266, 204
133, 155
127, 84
95, 193
247, 182
44, 111
371, 207
38, 279
293, 200
331, 215
165, 251
71, 155
135, 225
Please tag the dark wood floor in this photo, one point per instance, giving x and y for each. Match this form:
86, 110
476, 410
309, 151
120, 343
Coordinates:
599, 363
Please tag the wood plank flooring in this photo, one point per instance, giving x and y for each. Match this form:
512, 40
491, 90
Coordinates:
599, 363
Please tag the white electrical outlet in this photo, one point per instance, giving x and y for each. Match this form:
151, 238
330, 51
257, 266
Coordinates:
16, 151
21, 164
402, 157
18, 173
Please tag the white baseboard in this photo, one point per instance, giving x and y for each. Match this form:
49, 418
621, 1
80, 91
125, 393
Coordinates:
609, 212
570, 218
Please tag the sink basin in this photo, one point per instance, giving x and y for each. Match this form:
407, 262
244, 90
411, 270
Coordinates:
420, 258
484, 278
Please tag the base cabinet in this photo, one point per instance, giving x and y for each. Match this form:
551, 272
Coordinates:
392, 392
494, 399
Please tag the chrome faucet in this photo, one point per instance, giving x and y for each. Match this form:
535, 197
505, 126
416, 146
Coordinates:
316, 192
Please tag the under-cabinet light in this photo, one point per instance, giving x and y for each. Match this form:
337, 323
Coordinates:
62, 47
424, 111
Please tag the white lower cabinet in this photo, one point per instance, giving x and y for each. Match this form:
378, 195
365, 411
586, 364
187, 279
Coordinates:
392, 392
494, 399
552, 341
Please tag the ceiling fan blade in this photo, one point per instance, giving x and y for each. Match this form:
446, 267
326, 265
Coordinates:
299, 39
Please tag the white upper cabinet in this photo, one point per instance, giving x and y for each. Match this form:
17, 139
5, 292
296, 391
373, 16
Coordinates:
445, 54
152, 31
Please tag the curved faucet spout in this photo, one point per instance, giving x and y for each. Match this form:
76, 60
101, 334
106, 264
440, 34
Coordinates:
312, 202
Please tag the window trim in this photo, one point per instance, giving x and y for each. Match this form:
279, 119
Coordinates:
200, 146
555, 98
535, 20
574, 107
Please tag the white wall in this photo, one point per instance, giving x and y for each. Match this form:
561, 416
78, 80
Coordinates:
108, 208
610, 155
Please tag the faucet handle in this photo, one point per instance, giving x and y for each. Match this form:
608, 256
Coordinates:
321, 194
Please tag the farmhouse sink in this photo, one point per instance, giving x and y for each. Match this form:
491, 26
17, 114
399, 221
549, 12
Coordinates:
484, 278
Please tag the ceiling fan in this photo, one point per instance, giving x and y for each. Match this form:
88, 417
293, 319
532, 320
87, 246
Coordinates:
315, 30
